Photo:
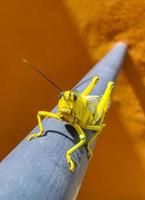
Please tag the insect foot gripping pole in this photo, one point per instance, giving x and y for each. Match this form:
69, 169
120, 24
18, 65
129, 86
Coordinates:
37, 169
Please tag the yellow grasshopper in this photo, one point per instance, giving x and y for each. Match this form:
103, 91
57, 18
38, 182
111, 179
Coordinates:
81, 110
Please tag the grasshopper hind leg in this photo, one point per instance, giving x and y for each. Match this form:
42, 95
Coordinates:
104, 103
91, 85
101, 109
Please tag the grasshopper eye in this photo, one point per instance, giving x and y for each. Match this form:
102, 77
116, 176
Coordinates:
75, 96
60, 95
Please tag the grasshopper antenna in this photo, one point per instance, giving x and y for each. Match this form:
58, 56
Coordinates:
42, 74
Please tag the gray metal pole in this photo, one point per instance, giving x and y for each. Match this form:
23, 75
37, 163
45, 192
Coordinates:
37, 169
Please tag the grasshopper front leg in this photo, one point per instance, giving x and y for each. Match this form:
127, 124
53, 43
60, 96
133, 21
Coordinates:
41, 130
83, 141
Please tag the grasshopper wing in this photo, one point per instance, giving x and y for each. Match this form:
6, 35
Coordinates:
93, 101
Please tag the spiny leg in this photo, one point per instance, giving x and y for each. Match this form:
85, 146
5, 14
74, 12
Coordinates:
39, 115
103, 105
82, 137
101, 110
90, 87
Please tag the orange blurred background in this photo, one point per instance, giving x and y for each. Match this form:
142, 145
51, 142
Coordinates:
65, 38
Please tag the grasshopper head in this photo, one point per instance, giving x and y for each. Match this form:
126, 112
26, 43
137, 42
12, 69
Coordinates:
67, 102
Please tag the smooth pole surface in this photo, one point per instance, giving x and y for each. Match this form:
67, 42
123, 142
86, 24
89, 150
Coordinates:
37, 169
